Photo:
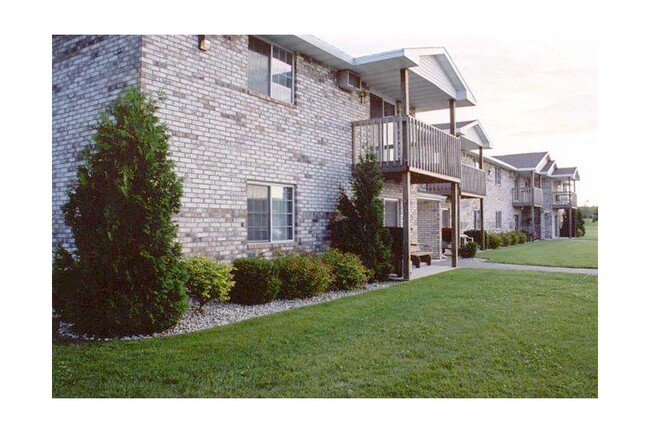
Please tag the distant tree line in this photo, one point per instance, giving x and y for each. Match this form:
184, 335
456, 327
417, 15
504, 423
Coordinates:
589, 212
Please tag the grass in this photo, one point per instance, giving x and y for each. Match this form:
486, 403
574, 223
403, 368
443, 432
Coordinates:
466, 333
576, 253
591, 231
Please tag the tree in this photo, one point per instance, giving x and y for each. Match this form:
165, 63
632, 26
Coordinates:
125, 276
359, 229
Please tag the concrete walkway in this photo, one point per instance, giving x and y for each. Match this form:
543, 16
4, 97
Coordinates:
484, 264
437, 267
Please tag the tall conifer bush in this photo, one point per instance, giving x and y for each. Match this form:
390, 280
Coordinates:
360, 227
125, 276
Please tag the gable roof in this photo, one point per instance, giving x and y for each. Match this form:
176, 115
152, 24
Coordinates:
570, 172
473, 134
549, 168
434, 78
524, 161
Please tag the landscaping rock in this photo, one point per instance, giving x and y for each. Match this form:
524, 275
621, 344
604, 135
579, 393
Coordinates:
222, 313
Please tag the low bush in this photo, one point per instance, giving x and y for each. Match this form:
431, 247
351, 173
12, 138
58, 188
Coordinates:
256, 281
302, 276
208, 280
524, 236
348, 272
493, 241
505, 239
468, 250
514, 238
65, 284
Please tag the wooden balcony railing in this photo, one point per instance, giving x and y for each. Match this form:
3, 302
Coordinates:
527, 196
472, 183
472, 180
564, 199
403, 142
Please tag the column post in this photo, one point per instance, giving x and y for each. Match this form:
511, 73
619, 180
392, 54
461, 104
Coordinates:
454, 225
406, 225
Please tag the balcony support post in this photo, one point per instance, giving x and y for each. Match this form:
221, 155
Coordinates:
532, 200
406, 225
455, 238
482, 226
404, 111
404, 84
452, 117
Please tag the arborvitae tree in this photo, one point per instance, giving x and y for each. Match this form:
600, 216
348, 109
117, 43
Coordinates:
360, 227
125, 276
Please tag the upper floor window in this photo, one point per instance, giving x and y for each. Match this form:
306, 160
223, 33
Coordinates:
497, 175
270, 70
380, 107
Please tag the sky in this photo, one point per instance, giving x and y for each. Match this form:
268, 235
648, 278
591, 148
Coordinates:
533, 94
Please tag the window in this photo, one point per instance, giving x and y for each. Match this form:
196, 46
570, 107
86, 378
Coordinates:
497, 175
477, 220
380, 107
391, 213
446, 218
270, 70
498, 219
517, 222
270, 213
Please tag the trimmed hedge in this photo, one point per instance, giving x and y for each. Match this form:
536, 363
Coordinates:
256, 281
493, 241
505, 239
208, 280
468, 250
302, 276
348, 272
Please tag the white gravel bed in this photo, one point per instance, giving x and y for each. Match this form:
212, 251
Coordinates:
222, 313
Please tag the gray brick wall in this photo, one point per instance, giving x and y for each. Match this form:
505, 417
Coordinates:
224, 135
87, 73
498, 198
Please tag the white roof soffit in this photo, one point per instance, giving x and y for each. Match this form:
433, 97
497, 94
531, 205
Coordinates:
433, 80
474, 136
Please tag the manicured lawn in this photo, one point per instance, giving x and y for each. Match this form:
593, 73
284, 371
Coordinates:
576, 253
465, 333
591, 231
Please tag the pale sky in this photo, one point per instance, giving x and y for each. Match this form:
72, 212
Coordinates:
533, 94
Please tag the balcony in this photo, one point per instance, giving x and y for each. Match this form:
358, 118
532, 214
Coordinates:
527, 196
564, 199
472, 184
403, 143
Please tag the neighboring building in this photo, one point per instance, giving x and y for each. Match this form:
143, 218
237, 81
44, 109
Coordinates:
265, 129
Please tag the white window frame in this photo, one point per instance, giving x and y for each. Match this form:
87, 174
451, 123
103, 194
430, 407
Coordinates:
393, 200
293, 219
293, 72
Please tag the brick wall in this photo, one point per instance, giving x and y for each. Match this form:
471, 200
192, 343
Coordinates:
87, 73
498, 198
224, 135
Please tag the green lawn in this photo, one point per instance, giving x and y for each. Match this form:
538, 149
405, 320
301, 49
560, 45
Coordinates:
591, 231
576, 253
465, 333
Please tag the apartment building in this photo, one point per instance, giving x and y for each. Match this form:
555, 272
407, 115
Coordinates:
264, 129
